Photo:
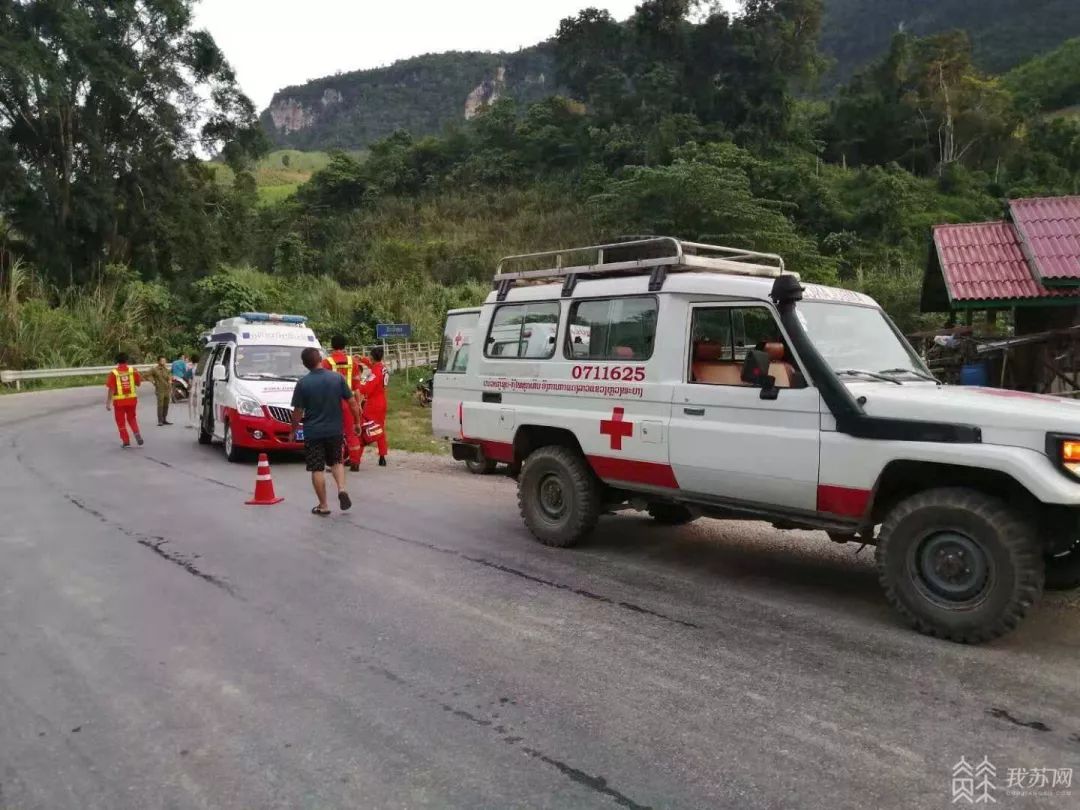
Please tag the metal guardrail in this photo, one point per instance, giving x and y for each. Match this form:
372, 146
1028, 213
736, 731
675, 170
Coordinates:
399, 357
19, 377
402, 356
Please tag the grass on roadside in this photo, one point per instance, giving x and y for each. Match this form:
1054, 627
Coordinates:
408, 424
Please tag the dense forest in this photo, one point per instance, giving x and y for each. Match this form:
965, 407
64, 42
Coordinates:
707, 126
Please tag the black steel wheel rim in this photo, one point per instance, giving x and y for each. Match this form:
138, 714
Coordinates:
552, 497
951, 568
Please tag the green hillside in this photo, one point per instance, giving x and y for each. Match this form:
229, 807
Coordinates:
280, 173
1050, 81
421, 95
1005, 33
425, 94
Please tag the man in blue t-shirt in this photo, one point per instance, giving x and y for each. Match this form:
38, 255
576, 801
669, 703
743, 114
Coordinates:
316, 403
180, 367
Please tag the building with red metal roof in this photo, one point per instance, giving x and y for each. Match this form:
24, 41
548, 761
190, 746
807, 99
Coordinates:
1049, 229
1029, 259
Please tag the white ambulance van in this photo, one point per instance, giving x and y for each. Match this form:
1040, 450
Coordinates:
690, 380
250, 366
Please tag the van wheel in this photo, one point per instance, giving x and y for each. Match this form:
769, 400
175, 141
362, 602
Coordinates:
232, 452
483, 467
558, 496
1063, 570
959, 564
671, 514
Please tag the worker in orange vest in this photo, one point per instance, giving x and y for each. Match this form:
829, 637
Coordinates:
122, 398
349, 368
374, 393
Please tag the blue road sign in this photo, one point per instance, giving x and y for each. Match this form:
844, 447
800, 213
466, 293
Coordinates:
389, 331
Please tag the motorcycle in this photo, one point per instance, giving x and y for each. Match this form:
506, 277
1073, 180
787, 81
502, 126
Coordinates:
425, 391
181, 391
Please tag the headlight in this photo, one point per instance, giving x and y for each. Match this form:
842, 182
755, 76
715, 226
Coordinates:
248, 407
1064, 451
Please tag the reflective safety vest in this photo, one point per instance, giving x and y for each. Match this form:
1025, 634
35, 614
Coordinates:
119, 395
348, 365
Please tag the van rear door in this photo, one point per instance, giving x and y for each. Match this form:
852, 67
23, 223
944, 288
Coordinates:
450, 374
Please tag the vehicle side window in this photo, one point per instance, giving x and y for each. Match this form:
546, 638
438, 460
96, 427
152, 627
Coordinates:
218, 352
226, 360
721, 338
524, 330
612, 329
200, 367
457, 338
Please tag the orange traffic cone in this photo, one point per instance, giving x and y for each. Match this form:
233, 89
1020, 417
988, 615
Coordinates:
264, 485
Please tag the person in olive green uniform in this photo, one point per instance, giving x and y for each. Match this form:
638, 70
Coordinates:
161, 376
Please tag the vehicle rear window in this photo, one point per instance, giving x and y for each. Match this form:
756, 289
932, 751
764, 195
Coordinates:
456, 342
612, 329
524, 330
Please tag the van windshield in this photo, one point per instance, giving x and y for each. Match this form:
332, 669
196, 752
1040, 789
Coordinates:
857, 338
269, 362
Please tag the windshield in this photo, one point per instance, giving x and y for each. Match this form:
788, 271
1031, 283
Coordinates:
269, 363
853, 337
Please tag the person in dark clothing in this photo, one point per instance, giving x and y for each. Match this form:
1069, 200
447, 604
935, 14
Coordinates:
316, 404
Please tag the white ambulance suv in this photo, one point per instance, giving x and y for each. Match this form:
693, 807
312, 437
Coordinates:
686, 380
250, 367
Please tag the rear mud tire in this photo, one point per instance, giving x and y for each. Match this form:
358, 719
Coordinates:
1063, 570
559, 497
483, 467
671, 514
959, 564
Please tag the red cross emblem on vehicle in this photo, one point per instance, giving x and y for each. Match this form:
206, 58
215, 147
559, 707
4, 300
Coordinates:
458, 340
616, 428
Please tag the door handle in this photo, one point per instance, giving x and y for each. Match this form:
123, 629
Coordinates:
694, 411
492, 397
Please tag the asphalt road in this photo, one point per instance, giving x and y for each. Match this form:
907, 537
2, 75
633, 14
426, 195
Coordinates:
164, 646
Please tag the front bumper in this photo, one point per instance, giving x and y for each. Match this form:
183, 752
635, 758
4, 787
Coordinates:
262, 433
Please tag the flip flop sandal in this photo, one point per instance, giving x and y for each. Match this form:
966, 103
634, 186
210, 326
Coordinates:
345, 501
317, 511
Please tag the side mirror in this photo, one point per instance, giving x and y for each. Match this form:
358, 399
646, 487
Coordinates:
220, 373
755, 372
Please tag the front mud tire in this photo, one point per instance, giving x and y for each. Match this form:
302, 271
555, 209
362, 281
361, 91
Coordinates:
559, 497
959, 564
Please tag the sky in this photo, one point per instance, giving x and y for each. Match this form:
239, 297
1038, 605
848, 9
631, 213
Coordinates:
276, 43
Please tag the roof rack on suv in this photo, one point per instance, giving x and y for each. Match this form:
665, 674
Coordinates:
656, 255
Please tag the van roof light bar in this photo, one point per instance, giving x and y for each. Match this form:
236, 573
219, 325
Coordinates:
655, 256
271, 317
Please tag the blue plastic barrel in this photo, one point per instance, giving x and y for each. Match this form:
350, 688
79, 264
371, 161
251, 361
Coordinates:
975, 373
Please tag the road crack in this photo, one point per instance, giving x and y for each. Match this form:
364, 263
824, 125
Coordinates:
596, 783
559, 586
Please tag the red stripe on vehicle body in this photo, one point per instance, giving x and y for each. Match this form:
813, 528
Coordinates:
844, 501
634, 472
497, 451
